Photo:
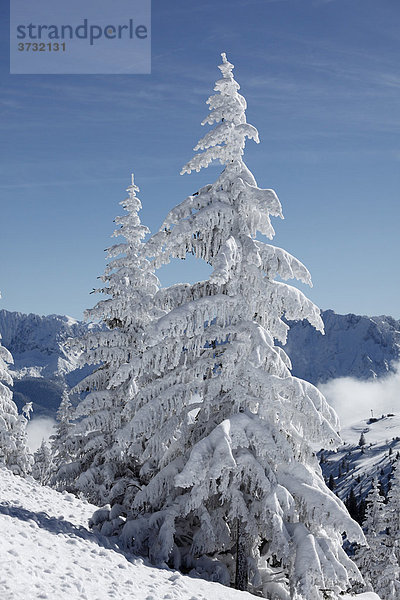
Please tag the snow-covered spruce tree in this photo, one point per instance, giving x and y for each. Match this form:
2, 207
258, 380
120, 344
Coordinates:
392, 512
389, 579
367, 557
377, 562
231, 487
98, 470
42, 464
62, 445
13, 449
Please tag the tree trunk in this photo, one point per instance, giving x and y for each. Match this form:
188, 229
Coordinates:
242, 576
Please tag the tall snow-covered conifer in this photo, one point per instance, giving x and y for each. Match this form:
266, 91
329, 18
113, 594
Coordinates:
13, 449
230, 485
98, 470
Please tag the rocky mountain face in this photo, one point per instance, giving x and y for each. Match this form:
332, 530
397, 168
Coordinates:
353, 345
42, 367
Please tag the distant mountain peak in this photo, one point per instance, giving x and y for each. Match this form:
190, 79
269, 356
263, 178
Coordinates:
353, 346
42, 368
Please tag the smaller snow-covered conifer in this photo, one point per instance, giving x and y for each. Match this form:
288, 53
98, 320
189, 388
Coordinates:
13, 442
98, 468
42, 464
392, 513
377, 562
62, 446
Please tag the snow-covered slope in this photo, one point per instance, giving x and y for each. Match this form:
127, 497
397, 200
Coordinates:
353, 466
353, 345
46, 551
41, 366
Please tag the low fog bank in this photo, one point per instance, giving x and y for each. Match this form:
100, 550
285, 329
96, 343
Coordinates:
39, 429
353, 399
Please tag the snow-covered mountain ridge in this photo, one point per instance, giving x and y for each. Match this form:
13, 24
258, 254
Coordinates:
36, 342
353, 345
42, 368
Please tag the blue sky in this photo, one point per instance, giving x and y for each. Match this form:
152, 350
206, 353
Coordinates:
322, 83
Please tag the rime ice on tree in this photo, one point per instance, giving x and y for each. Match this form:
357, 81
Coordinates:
98, 469
393, 513
378, 562
13, 449
230, 485
42, 464
63, 447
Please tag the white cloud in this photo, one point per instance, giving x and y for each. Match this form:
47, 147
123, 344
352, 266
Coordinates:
39, 429
354, 399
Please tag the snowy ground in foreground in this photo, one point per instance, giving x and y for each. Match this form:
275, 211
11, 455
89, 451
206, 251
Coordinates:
46, 551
